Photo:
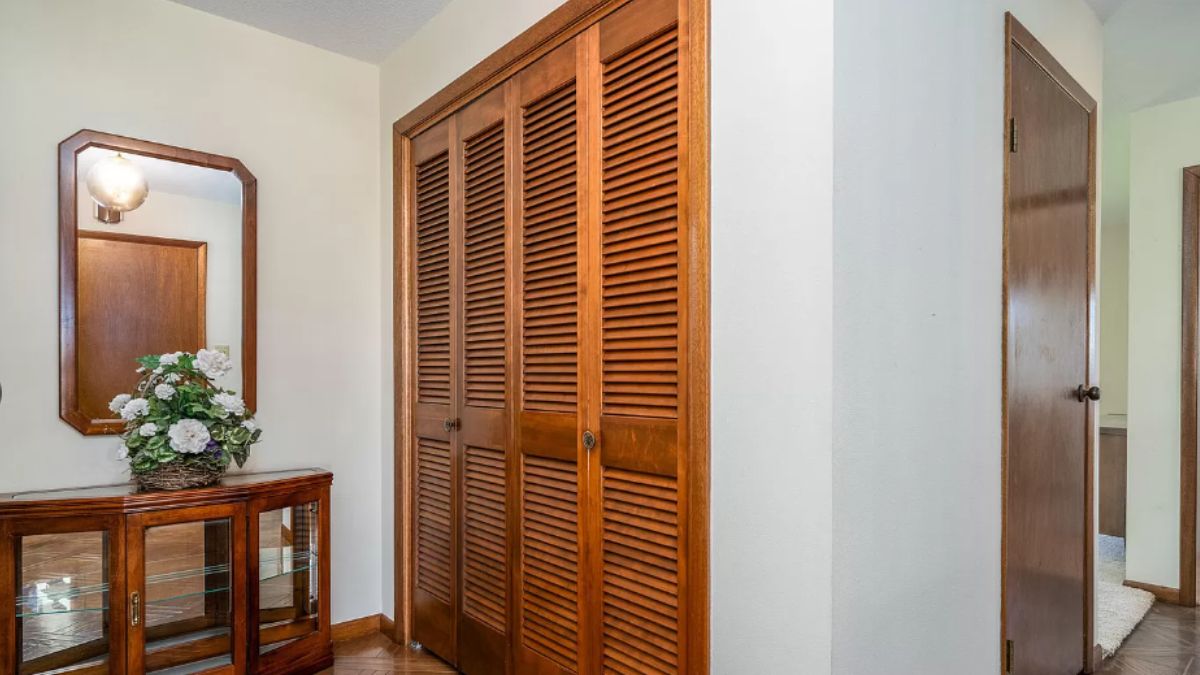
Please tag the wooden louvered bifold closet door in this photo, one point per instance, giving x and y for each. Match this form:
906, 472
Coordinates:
636, 513
548, 425
482, 428
550, 221
462, 325
435, 508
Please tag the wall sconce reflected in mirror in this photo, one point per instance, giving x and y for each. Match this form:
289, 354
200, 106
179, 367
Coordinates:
116, 185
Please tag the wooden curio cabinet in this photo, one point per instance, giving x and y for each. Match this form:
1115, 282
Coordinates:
232, 578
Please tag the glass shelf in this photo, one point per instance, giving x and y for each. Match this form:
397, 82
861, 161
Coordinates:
62, 603
43, 599
273, 565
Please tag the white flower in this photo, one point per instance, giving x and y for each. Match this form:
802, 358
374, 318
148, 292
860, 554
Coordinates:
188, 436
164, 391
213, 364
122, 451
174, 378
232, 403
141, 369
135, 408
249, 425
119, 402
158, 370
148, 429
169, 359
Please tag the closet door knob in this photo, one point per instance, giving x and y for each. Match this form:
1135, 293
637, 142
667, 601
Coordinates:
589, 440
449, 424
1084, 393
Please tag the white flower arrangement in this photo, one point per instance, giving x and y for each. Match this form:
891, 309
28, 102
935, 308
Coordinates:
178, 416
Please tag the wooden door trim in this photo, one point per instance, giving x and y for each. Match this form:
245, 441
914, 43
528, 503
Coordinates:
1189, 395
563, 24
68, 257
1017, 36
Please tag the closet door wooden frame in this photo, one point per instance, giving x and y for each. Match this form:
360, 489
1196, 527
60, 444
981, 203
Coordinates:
653, 437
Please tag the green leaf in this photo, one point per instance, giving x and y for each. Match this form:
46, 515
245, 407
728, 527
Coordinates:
135, 441
156, 442
143, 462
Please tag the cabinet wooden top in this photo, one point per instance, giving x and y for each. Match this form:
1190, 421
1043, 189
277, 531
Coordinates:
126, 498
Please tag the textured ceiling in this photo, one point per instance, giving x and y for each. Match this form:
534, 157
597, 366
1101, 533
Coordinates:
1150, 54
367, 30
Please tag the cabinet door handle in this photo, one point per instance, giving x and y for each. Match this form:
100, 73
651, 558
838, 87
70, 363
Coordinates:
135, 608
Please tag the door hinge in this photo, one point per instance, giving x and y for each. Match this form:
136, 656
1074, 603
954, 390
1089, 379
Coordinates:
1012, 134
1008, 656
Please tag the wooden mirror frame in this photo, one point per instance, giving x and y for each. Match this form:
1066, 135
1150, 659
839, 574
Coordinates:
68, 250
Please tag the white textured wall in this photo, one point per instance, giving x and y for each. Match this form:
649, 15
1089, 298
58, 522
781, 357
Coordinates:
1163, 140
919, 129
772, 349
305, 122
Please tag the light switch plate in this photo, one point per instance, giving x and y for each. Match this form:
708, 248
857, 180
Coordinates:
224, 349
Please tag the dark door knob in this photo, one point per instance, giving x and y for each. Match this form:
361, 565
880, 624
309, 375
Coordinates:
1084, 393
452, 424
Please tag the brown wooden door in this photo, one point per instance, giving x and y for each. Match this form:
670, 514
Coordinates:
548, 424
636, 368
119, 277
436, 508
1047, 357
481, 215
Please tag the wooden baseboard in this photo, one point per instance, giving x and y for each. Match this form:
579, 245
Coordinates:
1162, 593
362, 627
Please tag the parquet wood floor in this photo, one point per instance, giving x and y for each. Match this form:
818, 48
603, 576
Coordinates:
1166, 642
377, 655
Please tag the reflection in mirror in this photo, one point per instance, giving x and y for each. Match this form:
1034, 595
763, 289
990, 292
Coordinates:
158, 266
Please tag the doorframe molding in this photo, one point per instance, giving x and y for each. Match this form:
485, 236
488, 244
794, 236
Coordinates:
1189, 392
1018, 37
557, 28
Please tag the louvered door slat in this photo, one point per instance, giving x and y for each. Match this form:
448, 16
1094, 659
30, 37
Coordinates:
433, 280
435, 570
640, 259
550, 568
485, 567
483, 268
549, 275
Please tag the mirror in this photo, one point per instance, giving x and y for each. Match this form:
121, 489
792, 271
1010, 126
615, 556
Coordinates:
156, 255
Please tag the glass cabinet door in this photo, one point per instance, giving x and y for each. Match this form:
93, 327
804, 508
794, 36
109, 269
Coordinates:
286, 551
186, 584
288, 588
62, 620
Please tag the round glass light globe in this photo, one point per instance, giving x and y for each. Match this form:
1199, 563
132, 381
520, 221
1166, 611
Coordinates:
117, 183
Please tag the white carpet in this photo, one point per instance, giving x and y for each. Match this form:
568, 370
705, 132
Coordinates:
1118, 607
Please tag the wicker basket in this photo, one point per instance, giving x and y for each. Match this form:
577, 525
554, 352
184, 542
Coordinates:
178, 476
